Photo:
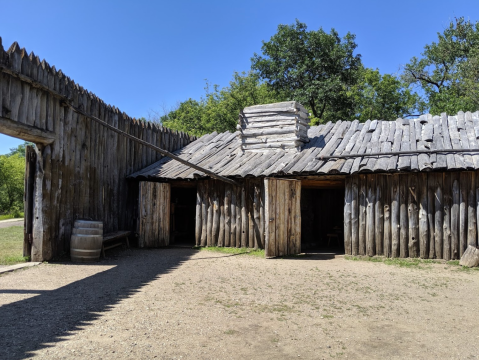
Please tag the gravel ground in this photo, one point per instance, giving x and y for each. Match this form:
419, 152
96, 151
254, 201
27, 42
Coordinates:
186, 304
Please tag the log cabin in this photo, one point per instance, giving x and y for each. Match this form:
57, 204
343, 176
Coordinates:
403, 188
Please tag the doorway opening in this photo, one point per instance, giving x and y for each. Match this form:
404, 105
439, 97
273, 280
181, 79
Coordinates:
322, 219
182, 214
17, 175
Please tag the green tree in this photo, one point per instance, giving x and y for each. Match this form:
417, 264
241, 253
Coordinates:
218, 110
20, 149
385, 97
447, 71
12, 169
314, 68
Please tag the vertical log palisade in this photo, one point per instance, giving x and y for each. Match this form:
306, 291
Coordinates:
430, 215
81, 167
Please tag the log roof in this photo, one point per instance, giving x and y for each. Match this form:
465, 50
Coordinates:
422, 137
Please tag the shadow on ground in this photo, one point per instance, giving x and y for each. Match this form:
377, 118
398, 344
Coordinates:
43, 320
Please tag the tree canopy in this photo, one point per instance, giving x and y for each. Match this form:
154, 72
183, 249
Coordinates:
447, 71
218, 110
322, 71
313, 67
12, 170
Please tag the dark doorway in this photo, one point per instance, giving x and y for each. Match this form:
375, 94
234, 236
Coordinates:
322, 219
183, 212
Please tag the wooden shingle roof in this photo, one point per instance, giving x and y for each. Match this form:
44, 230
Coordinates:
422, 137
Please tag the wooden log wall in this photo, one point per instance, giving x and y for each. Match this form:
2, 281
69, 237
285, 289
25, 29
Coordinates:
81, 166
230, 216
426, 215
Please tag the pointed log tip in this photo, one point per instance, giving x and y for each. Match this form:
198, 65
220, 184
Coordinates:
13, 48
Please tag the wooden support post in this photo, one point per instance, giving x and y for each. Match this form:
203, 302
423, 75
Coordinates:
395, 216
447, 199
198, 223
387, 216
456, 197
227, 216
362, 215
413, 216
471, 211
347, 216
438, 215
403, 216
379, 214
423, 216
354, 215
370, 218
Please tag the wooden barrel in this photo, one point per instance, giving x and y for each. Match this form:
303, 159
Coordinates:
86, 241
88, 224
87, 231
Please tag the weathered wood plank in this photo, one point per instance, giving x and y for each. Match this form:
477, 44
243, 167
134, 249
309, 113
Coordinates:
370, 218
387, 250
423, 216
221, 199
379, 214
362, 214
463, 197
471, 211
403, 217
233, 217
347, 216
413, 216
354, 215
447, 199
239, 221
456, 197
227, 215
438, 215
198, 222
204, 212
244, 218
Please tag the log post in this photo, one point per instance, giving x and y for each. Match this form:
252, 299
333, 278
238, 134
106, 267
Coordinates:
423, 217
413, 217
354, 215
199, 199
395, 216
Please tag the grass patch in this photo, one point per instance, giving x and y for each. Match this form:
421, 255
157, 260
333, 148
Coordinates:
7, 217
11, 245
233, 251
410, 262
407, 263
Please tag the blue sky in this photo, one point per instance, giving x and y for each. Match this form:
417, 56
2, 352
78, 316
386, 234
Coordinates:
149, 55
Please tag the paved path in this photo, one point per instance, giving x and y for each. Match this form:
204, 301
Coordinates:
11, 222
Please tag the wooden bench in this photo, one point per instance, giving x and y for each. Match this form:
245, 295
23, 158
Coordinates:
119, 236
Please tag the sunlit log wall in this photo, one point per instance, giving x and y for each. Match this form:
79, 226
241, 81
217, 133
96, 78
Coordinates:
426, 215
230, 216
81, 172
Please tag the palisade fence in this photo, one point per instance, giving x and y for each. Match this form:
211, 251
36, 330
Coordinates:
430, 215
81, 166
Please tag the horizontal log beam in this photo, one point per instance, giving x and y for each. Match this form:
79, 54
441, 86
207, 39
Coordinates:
26, 132
393, 153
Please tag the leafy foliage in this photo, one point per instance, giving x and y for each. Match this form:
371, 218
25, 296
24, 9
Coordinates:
12, 169
219, 109
447, 71
379, 96
314, 68
20, 149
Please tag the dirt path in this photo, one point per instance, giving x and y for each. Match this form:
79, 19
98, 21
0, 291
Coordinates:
184, 304
11, 222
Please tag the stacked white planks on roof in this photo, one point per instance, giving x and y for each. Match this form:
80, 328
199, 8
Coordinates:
282, 126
